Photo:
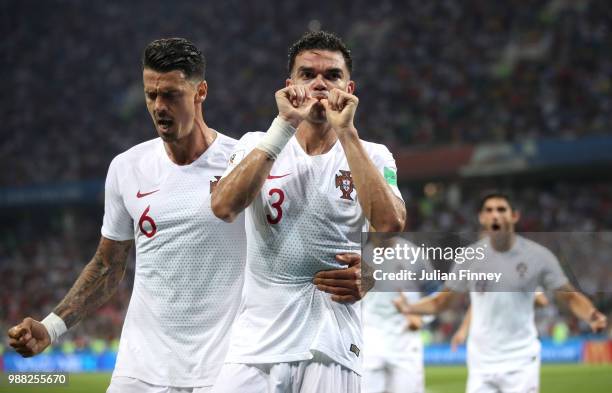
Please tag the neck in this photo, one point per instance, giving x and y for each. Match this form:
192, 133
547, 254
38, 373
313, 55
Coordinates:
314, 138
188, 149
502, 242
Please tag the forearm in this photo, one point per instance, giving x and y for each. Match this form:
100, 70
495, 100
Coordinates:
238, 189
433, 304
383, 209
465, 324
578, 304
97, 282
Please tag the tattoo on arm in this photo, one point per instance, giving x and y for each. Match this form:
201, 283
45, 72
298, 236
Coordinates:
97, 282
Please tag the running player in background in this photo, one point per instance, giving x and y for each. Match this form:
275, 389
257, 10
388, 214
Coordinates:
393, 359
310, 186
189, 264
462, 332
503, 349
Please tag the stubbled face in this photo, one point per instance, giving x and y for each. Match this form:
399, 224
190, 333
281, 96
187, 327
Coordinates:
320, 71
172, 102
497, 216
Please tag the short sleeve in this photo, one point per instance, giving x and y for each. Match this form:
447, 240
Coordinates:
242, 148
117, 224
385, 163
552, 276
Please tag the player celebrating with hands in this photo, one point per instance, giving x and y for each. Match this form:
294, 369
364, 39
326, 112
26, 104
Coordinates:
309, 186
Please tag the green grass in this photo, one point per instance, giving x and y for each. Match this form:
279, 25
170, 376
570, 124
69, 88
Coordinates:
571, 378
555, 378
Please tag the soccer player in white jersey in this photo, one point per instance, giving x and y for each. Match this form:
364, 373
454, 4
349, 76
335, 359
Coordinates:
189, 264
310, 186
503, 349
393, 346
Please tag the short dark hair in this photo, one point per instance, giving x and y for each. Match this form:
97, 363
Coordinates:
320, 40
494, 195
175, 54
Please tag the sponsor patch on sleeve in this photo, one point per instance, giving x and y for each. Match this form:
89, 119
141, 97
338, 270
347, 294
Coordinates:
390, 176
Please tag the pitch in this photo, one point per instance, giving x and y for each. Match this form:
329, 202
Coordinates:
556, 378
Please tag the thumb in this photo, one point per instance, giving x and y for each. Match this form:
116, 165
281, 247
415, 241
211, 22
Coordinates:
325, 103
22, 331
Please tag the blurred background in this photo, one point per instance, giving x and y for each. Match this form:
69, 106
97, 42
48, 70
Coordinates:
468, 95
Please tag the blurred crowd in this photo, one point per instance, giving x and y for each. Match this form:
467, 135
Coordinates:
43, 250
427, 73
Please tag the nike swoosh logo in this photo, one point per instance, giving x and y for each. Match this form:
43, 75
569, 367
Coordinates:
139, 195
272, 177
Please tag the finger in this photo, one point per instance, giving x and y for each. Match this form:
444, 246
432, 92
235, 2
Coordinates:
349, 259
16, 344
334, 97
336, 290
31, 344
336, 283
291, 95
340, 100
345, 298
345, 100
17, 331
299, 93
25, 352
340, 274
325, 103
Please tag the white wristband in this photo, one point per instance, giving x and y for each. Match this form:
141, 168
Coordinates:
276, 138
55, 326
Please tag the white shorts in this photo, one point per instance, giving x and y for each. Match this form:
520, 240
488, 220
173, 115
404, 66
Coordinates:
132, 385
382, 374
523, 380
318, 375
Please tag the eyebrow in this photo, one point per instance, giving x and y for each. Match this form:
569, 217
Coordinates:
328, 70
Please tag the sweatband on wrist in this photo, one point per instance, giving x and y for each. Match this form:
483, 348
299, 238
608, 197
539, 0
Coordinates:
276, 138
55, 326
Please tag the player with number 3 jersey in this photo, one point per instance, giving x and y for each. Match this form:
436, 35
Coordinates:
307, 197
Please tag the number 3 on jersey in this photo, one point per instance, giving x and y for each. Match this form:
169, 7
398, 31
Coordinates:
276, 205
148, 232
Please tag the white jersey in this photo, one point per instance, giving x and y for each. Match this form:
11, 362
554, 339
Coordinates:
502, 333
306, 213
189, 264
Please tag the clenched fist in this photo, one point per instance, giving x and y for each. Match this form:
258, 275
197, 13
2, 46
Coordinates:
294, 103
340, 108
29, 338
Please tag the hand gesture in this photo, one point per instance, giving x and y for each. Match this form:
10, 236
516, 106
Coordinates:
294, 104
29, 338
340, 108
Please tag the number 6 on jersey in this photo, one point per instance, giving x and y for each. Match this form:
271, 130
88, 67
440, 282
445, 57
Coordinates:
144, 218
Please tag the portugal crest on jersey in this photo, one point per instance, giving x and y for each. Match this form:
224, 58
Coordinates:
521, 268
213, 182
345, 182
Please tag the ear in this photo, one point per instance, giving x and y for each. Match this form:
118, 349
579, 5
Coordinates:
288, 82
350, 87
516, 216
201, 92
481, 219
